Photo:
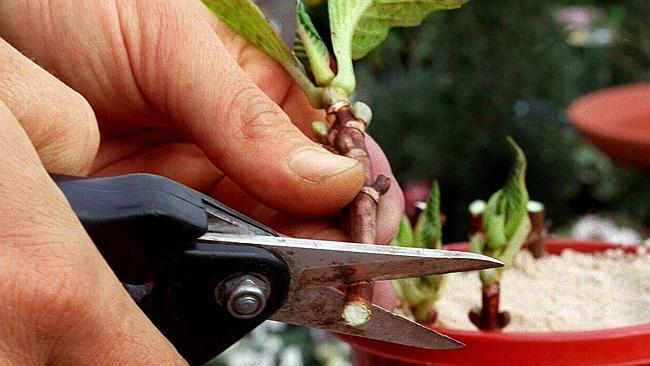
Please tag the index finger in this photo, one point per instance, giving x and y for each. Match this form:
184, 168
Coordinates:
241, 130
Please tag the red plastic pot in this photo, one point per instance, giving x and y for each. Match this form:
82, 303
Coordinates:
617, 121
617, 346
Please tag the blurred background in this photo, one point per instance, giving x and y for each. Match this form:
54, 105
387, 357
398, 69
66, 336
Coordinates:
446, 94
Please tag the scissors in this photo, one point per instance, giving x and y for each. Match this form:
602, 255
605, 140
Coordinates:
206, 275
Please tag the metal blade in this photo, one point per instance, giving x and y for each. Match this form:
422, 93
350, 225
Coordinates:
320, 307
321, 263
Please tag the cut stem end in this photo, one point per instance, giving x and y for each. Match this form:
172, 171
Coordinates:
356, 313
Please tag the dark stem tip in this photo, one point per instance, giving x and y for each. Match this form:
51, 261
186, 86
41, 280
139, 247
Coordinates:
504, 319
382, 184
475, 318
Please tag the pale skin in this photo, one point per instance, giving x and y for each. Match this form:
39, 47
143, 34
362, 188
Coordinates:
173, 92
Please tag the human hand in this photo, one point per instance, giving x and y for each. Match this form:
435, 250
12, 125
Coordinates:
177, 93
61, 304
171, 98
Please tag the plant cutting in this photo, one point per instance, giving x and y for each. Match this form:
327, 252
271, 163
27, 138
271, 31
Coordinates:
421, 294
356, 27
506, 226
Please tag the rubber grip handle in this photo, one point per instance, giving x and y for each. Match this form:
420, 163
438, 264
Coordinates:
139, 222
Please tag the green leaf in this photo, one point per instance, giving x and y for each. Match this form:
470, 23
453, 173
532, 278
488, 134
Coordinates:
505, 220
309, 47
515, 242
514, 192
422, 293
247, 19
494, 219
477, 243
404, 236
358, 26
373, 27
428, 229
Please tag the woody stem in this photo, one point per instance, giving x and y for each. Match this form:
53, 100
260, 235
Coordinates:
489, 317
347, 137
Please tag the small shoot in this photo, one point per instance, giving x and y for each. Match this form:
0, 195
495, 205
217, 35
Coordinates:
505, 227
363, 112
421, 294
310, 48
320, 131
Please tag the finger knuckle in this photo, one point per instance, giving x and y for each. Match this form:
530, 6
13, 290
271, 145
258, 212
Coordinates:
58, 120
73, 139
259, 118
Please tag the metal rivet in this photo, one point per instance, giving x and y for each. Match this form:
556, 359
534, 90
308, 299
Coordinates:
244, 296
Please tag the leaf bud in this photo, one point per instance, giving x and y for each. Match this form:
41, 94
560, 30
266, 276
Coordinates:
362, 111
331, 119
332, 95
320, 131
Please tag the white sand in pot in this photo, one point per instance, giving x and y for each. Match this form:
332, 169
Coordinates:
572, 291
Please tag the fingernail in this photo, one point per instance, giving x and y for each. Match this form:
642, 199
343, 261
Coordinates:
318, 165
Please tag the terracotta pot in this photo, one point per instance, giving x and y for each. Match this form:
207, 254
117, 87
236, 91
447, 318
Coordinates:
618, 346
617, 121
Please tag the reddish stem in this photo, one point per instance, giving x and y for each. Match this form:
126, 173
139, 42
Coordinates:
489, 317
358, 302
431, 319
538, 233
347, 137
475, 224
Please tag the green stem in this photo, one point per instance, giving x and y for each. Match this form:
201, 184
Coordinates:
314, 93
344, 16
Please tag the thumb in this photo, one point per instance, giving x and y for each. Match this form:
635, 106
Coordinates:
240, 129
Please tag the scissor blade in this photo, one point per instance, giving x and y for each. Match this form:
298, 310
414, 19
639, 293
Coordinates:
321, 263
320, 307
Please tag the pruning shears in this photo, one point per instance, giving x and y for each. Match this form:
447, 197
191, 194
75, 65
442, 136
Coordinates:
207, 275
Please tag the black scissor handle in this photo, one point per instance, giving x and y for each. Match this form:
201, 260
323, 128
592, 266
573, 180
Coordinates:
146, 227
139, 222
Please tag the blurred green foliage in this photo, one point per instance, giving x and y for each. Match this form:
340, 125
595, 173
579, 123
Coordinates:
445, 96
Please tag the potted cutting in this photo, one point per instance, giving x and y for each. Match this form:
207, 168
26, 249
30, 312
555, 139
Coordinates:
564, 308
327, 78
